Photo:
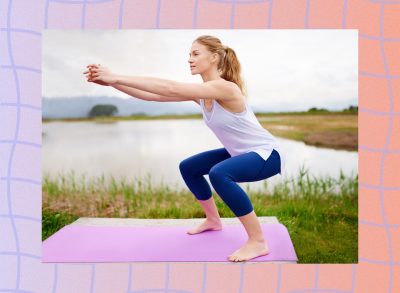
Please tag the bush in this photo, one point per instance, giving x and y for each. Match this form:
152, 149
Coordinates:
103, 110
318, 110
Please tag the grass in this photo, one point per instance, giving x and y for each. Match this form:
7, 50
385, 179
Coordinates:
321, 214
333, 130
52, 221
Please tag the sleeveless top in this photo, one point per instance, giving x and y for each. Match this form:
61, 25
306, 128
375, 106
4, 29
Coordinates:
241, 132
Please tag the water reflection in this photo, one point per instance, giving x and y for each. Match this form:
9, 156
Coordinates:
133, 149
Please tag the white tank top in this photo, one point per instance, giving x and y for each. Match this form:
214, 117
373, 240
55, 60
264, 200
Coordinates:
241, 132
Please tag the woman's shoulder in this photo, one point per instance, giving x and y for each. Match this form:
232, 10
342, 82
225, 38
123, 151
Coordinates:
225, 82
229, 86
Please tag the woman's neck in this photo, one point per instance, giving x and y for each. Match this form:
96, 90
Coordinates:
207, 76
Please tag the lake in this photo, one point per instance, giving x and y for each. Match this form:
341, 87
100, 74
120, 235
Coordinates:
134, 149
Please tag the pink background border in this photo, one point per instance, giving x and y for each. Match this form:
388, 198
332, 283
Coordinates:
22, 23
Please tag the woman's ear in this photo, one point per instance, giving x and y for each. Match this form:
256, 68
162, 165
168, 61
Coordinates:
214, 57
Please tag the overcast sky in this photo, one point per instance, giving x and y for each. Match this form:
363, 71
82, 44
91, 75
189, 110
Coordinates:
283, 69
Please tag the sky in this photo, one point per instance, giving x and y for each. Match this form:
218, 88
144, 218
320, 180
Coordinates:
284, 70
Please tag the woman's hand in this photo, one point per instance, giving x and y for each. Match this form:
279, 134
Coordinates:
99, 74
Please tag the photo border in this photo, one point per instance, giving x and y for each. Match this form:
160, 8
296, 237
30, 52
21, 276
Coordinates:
22, 25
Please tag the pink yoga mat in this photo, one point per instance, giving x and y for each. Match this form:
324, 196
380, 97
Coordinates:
77, 244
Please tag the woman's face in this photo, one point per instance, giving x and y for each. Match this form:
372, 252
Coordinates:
200, 59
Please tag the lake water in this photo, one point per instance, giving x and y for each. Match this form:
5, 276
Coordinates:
134, 149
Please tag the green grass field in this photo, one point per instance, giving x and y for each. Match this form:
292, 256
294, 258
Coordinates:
321, 214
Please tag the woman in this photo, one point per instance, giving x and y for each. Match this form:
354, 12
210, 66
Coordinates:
250, 152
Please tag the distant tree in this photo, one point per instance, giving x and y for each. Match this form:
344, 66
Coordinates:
103, 110
351, 109
314, 109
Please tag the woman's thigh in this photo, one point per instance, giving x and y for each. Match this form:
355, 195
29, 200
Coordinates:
249, 167
200, 164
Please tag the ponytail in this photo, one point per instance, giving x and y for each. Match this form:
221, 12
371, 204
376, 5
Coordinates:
231, 69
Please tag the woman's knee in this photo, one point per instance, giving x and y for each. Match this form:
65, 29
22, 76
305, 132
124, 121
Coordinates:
217, 174
189, 166
185, 166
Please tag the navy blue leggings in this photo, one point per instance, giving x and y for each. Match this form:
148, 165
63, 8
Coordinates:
224, 171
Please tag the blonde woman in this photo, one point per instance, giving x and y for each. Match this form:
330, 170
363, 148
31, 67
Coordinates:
249, 152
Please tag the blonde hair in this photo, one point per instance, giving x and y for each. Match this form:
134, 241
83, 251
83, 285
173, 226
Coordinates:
229, 64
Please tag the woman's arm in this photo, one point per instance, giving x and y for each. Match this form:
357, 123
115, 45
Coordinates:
214, 89
143, 95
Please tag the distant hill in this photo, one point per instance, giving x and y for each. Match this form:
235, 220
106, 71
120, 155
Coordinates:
79, 107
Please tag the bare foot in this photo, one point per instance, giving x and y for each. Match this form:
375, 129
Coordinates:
206, 225
251, 249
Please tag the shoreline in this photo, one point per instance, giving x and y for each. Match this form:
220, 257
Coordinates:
339, 132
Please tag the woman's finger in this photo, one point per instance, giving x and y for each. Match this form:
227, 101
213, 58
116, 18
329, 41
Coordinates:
89, 68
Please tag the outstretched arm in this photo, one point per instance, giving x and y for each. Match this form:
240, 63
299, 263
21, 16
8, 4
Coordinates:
208, 90
214, 89
143, 95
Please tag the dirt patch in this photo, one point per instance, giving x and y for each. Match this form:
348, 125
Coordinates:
336, 140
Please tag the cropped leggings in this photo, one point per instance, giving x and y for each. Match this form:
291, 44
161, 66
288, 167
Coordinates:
224, 171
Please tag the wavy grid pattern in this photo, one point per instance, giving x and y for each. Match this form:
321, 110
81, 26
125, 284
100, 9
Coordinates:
21, 25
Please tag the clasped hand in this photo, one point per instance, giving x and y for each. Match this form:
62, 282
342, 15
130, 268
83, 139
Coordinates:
99, 74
